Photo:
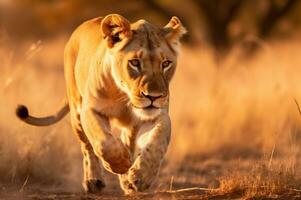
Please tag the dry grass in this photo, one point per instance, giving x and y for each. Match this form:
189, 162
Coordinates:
230, 112
260, 181
237, 105
32, 74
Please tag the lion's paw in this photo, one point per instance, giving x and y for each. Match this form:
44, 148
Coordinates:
93, 185
135, 182
128, 188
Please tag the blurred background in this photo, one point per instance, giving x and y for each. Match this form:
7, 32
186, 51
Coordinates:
232, 98
221, 25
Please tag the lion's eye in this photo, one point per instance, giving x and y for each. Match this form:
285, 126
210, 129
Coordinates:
135, 64
166, 65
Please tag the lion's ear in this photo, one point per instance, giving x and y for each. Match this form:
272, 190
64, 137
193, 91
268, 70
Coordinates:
174, 30
115, 28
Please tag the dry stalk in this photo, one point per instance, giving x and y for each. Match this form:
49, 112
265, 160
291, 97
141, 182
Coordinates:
298, 107
24, 184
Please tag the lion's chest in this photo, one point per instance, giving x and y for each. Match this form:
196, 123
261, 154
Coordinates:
123, 119
122, 116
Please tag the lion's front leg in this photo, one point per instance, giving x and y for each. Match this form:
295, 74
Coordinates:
112, 152
151, 148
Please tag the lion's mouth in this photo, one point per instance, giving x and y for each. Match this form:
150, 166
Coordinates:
150, 107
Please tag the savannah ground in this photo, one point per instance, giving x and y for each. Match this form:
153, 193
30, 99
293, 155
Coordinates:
236, 128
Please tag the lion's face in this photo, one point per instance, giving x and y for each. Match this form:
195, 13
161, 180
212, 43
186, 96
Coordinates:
143, 63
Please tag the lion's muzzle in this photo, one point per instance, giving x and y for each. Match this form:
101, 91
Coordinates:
157, 99
147, 100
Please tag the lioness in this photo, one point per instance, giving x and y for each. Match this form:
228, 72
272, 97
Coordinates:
117, 77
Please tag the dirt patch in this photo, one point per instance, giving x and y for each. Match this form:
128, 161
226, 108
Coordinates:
209, 179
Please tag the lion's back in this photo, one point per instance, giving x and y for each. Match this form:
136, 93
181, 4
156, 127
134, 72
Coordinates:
79, 52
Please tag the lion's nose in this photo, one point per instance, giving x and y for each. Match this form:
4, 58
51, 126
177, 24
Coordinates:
153, 95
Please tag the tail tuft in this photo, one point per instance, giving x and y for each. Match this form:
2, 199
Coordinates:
22, 112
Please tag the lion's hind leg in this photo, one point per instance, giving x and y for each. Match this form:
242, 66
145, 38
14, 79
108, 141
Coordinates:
93, 179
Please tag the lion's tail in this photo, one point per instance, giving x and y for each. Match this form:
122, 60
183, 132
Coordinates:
23, 114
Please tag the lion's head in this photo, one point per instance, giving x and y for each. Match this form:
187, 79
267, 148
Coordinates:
143, 59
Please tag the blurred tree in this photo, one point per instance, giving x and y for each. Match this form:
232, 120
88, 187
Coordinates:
218, 15
275, 12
